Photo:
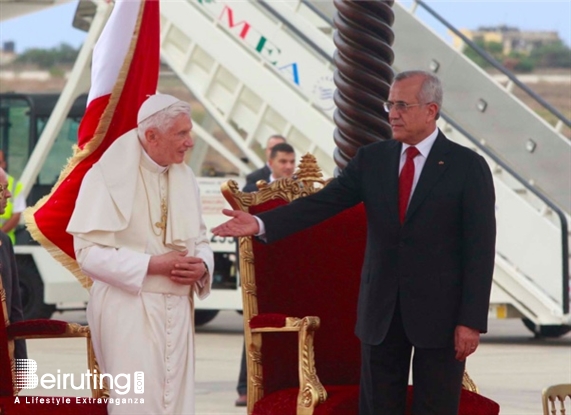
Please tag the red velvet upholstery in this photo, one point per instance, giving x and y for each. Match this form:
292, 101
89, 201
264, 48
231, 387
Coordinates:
36, 327
317, 273
268, 320
341, 400
344, 400
470, 404
27, 405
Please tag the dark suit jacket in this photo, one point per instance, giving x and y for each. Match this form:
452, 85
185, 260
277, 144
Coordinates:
262, 173
9, 274
439, 263
250, 187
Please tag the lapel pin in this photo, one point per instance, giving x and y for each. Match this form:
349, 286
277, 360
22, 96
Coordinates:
441, 162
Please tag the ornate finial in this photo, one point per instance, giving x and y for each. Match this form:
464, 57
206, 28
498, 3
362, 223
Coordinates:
308, 170
306, 180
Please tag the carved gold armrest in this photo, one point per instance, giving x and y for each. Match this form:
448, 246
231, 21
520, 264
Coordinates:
468, 383
58, 329
67, 330
311, 391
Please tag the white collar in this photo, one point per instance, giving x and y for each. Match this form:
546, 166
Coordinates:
148, 163
423, 146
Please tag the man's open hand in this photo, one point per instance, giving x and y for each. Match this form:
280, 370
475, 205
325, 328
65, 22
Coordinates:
241, 224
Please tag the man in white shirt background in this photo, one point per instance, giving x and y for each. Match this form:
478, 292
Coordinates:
263, 173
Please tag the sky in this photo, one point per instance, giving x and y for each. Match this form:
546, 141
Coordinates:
49, 28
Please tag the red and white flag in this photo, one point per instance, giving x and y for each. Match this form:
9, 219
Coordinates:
125, 71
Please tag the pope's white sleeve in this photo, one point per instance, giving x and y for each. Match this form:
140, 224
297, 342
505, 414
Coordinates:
122, 268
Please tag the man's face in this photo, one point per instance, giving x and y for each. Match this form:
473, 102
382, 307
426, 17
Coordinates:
413, 124
4, 192
271, 143
170, 146
282, 165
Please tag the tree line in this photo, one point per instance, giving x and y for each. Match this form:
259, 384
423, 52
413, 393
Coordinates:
550, 55
62, 55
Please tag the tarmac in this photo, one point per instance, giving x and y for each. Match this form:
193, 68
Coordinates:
510, 366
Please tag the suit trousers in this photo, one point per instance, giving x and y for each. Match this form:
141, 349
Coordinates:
242, 386
437, 376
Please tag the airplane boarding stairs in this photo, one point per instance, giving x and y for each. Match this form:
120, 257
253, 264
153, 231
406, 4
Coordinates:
261, 68
531, 164
254, 77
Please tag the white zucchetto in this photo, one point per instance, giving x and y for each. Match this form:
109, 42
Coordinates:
154, 104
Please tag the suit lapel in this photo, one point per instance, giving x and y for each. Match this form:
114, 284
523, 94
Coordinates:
267, 173
436, 164
390, 178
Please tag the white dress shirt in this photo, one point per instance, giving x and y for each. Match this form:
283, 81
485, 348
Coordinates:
424, 148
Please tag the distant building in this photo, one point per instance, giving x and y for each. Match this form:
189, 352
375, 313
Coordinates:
7, 54
511, 38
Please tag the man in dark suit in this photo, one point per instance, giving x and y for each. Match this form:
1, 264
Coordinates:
429, 258
281, 163
263, 173
9, 272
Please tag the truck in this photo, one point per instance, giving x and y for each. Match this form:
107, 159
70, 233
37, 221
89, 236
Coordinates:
46, 286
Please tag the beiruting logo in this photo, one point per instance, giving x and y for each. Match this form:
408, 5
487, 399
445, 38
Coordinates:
27, 378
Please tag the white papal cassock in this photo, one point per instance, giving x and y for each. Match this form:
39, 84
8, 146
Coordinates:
139, 322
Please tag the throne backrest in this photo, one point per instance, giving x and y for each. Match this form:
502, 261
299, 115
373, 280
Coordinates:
315, 272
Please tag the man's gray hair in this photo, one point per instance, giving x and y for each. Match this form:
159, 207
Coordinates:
163, 119
431, 89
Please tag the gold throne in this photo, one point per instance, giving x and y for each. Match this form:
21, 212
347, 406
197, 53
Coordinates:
300, 301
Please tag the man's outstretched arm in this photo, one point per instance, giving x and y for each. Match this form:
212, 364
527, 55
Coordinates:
241, 224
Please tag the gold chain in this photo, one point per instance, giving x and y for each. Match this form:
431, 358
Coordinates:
162, 225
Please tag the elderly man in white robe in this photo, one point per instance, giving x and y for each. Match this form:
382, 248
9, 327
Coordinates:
139, 235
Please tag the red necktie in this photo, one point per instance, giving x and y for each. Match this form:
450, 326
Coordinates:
405, 181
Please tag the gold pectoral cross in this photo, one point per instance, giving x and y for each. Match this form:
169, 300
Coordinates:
162, 225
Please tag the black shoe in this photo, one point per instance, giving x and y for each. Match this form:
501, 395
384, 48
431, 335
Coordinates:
242, 400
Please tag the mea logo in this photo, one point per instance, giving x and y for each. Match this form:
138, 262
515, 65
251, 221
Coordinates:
26, 373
